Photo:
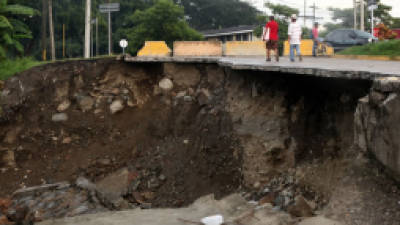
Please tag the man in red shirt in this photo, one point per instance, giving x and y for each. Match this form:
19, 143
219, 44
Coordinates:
272, 40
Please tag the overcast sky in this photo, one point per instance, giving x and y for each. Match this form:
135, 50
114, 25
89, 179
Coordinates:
324, 5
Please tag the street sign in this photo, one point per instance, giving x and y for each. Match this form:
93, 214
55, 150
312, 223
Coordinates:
123, 43
372, 7
109, 7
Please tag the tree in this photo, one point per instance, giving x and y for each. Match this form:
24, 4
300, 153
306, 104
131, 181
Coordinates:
344, 18
11, 28
216, 14
163, 21
282, 11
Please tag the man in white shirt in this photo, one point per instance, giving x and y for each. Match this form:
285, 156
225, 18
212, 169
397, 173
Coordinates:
294, 33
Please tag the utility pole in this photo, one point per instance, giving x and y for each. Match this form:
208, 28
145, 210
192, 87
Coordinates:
314, 7
305, 13
355, 13
362, 16
97, 36
87, 29
109, 33
44, 30
51, 29
314, 17
63, 41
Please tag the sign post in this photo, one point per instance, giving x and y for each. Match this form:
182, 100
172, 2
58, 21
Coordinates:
372, 8
109, 8
123, 43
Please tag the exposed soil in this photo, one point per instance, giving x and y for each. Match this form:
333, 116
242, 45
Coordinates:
158, 136
277, 137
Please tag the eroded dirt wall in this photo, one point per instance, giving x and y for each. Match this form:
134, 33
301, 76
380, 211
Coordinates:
91, 118
283, 120
214, 130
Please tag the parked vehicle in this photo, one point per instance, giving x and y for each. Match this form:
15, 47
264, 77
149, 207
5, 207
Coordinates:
343, 38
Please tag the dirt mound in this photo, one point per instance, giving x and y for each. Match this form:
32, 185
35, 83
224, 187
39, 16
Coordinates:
91, 118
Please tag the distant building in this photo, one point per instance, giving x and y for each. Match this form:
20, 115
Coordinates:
240, 33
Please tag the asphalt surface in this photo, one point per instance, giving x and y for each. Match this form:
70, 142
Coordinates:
321, 66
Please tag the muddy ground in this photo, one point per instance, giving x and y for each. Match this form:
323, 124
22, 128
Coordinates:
163, 135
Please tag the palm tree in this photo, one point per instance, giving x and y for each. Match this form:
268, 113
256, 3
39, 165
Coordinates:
11, 28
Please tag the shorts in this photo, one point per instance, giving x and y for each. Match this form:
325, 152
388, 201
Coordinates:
272, 44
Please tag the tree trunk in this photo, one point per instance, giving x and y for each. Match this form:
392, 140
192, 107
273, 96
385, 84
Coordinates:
43, 43
51, 29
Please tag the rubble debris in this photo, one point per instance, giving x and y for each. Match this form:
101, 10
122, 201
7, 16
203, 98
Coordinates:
166, 84
116, 106
213, 220
59, 117
64, 105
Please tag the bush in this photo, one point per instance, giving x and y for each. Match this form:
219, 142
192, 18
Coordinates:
10, 67
386, 48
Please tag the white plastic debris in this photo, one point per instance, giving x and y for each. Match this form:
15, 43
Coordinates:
213, 220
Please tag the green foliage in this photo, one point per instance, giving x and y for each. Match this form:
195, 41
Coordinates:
282, 10
163, 21
10, 67
216, 14
396, 23
386, 48
12, 29
344, 18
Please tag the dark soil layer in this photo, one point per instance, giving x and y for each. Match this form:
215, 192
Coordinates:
177, 149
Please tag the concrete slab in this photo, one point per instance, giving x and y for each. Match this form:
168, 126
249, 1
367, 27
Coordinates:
234, 209
320, 67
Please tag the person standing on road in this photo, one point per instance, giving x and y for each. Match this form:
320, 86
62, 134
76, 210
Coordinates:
315, 35
294, 33
272, 39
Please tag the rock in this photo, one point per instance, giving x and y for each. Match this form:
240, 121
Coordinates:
64, 105
319, 220
85, 184
67, 140
300, 208
31, 191
162, 177
59, 117
114, 186
180, 94
269, 198
104, 162
256, 185
4, 204
9, 159
86, 103
166, 84
376, 98
188, 98
204, 97
5, 221
116, 106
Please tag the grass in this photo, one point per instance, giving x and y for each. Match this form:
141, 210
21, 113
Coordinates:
384, 48
9, 67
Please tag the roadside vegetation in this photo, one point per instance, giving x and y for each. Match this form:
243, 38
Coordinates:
9, 67
384, 48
